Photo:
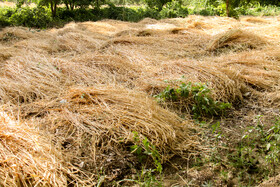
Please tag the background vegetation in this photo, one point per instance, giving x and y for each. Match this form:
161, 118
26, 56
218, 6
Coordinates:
50, 13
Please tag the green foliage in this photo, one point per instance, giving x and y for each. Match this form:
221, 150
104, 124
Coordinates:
147, 178
156, 4
143, 148
121, 13
236, 7
173, 9
269, 2
252, 157
5, 13
259, 10
196, 96
267, 141
76, 14
37, 17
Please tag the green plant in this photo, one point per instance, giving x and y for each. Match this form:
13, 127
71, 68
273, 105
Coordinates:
38, 17
251, 158
156, 4
5, 13
173, 9
147, 178
143, 148
195, 96
273, 145
258, 143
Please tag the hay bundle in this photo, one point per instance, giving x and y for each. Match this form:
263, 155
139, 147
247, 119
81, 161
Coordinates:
62, 42
91, 122
148, 21
271, 181
140, 33
25, 79
11, 35
6, 53
27, 158
256, 20
236, 39
200, 25
105, 27
90, 69
259, 78
256, 69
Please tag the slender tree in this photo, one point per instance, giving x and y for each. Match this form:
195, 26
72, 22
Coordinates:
52, 4
227, 7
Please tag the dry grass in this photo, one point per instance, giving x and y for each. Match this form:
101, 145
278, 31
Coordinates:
28, 159
236, 39
90, 85
97, 120
257, 20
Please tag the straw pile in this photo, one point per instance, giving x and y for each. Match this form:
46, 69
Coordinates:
90, 85
28, 159
236, 39
256, 20
89, 122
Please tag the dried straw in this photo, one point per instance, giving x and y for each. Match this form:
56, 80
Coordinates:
27, 158
90, 85
236, 38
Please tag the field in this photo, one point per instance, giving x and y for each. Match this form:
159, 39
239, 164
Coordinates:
78, 105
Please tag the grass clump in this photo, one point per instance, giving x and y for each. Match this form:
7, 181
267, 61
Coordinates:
196, 97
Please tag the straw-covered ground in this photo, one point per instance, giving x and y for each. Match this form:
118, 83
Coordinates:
75, 100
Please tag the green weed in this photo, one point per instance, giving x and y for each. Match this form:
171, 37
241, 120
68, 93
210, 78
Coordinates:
195, 96
143, 148
252, 158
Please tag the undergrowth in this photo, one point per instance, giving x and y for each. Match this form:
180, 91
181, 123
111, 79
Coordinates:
148, 175
247, 160
194, 97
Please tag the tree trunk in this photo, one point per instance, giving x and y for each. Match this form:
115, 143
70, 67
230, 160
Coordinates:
72, 5
67, 5
97, 3
54, 11
227, 4
53, 8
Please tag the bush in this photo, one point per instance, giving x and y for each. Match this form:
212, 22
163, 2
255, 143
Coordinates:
113, 12
148, 12
64, 14
37, 17
5, 13
211, 11
157, 4
84, 15
173, 9
127, 14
